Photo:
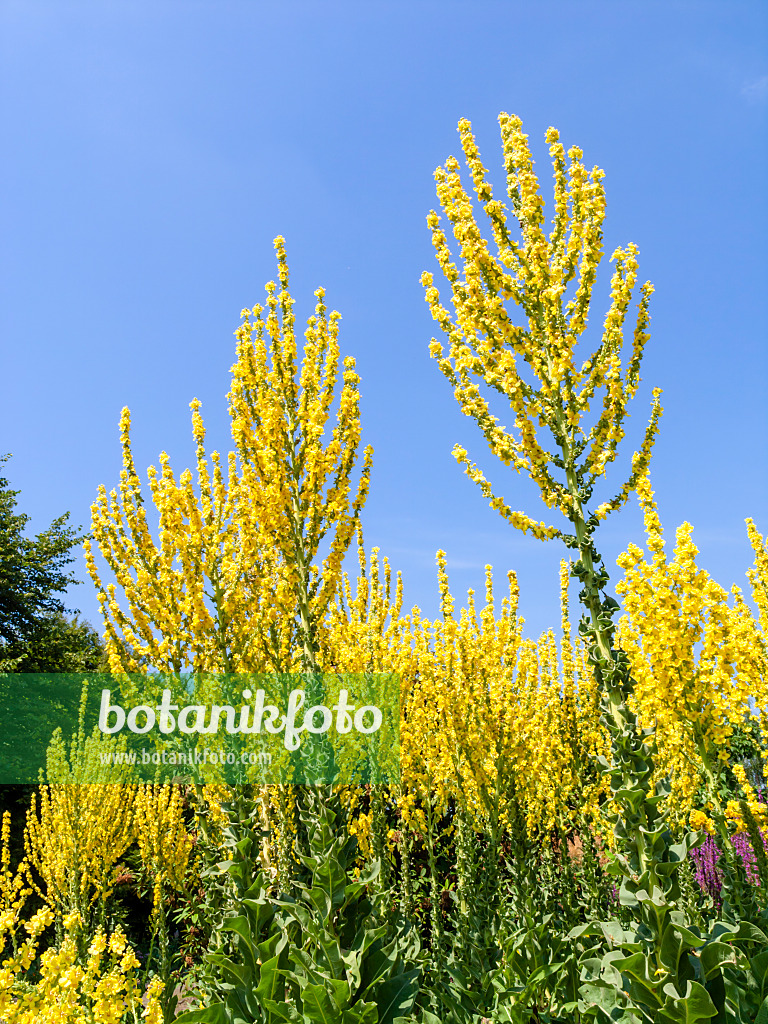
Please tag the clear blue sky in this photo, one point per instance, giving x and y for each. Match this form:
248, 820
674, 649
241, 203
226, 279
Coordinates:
152, 151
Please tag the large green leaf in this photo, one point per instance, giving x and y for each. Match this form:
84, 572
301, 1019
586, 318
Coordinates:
427, 1017
272, 983
241, 927
360, 1013
695, 1005
762, 1014
602, 994
378, 964
234, 973
395, 997
318, 1007
638, 967
714, 955
216, 1013
283, 1011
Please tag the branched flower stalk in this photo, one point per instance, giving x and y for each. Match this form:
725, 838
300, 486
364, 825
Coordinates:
232, 581
165, 847
533, 367
484, 343
280, 412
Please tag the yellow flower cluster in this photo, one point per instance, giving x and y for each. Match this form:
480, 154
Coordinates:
495, 721
758, 628
535, 272
699, 821
304, 482
74, 837
365, 631
200, 596
14, 885
231, 581
758, 576
757, 808
164, 843
101, 990
693, 654
487, 718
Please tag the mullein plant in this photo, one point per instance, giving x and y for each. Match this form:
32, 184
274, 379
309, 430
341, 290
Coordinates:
231, 583
695, 659
303, 473
235, 581
78, 827
304, 479
648, 971
15, 887
318, 956
101, 987
74, 837
698, 662
165, 847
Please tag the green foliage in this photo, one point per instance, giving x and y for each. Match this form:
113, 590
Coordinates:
318, 955
35, 633
662, 968
346, 965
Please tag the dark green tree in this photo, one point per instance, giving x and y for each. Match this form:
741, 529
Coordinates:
36, 632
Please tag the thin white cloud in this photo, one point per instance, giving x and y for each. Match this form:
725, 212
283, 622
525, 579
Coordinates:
757, 91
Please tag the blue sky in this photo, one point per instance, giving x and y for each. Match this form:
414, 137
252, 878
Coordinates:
152, 151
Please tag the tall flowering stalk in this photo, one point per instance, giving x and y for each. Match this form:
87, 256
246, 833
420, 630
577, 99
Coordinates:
706, 857
532, 366
300, 472
233, 581
14, 884
232, 584
207, 594
758, 578
100, 987
165, 847
365, 631
77, 830
695, 658
300, 469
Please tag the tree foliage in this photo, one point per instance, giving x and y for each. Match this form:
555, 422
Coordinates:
36, 634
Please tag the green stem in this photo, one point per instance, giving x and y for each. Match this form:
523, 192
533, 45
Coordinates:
406, 841
436, 914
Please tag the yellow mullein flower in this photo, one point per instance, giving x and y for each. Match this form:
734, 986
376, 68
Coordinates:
103, 991
75, 835
14, 885
699, 820
301, 480
164, 843
496, 722
485, 346
692, 655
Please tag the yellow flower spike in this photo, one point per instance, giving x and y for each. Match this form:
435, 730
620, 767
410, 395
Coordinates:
692, 653
221, 586
76, 832
103, 991
486, 348
15, 886
153, 1011
485, 708
164, 843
